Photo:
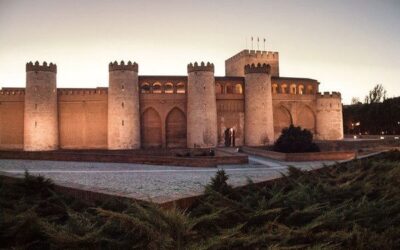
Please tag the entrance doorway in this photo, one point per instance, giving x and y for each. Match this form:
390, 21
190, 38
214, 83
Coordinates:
230, 137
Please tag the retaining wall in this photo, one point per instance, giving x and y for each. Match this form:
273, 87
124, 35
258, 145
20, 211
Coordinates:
314, 156
126, 157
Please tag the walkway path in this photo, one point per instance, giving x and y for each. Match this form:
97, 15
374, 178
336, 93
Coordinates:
158, 183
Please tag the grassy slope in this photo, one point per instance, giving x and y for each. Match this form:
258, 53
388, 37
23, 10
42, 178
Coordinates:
347, 206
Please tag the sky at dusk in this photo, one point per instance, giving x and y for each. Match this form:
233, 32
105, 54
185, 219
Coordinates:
349, 46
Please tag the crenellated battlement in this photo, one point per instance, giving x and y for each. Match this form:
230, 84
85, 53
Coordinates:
37, 67
259, 68
97, 91
269, 55
329, 95
202, 67
12, 92
113, 66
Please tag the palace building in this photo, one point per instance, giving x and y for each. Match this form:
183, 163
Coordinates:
250, 106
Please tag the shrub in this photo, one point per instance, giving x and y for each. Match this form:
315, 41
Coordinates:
295, 140
219, 183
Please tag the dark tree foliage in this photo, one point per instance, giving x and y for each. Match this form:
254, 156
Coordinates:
376, 95
373, 118
295, 140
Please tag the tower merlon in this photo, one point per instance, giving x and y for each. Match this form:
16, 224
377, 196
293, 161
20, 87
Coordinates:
329, 95
259, 68
270, 55
202, 67
113, 66
37, 67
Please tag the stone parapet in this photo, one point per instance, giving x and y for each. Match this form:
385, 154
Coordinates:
37, 67
12, 92
202, 67
113, 66
102, 91
255, 53
329, 95
264, 68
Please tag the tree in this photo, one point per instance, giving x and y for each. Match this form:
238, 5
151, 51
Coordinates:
355, 100
295, 140
377, 94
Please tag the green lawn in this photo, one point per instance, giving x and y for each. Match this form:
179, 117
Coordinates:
347, 206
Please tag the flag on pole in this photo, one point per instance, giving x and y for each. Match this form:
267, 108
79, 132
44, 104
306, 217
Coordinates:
264, 43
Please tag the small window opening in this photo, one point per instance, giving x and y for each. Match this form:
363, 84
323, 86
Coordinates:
123, 123
122, 104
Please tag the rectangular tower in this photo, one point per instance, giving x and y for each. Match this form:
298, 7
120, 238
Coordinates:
234, 66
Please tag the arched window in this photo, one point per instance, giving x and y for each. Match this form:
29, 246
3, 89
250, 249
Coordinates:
310, 89
157, 88
229, 89
238, 89
218, 88
180, 88
284, 88
274, 88
145, 88
301, 89
293, 89
169, 88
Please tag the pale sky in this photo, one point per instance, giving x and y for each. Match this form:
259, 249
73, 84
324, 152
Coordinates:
349, 46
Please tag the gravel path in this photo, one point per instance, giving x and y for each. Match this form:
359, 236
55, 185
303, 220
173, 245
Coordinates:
158, 183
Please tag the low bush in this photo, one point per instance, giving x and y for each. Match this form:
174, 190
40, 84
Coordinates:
295, 140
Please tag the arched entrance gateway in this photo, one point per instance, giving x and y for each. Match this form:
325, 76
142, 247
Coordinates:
151, 129
176, 129
282, 119
230, 135
306, 119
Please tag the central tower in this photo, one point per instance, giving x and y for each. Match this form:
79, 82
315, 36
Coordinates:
201, 106
123, 106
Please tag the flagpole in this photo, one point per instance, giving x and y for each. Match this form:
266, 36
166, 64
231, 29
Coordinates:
264, 43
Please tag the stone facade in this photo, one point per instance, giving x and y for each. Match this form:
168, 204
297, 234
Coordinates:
123, 106
248, 106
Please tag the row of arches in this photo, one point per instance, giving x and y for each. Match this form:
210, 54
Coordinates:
302, 116
180, 88
221, 88
160, 88
294, 89
175, 129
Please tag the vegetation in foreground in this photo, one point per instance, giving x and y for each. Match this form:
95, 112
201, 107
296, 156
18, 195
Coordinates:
295, 140
348, 206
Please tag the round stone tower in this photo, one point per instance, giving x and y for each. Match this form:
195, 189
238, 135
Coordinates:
201, 106
40, 117
123, 106
329, 116
258, 118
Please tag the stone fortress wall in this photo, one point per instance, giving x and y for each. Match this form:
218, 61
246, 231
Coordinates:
196, 110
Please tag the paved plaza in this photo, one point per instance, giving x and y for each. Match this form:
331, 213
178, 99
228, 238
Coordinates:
149, 182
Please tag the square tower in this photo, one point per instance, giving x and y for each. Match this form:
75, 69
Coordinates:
234, 66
